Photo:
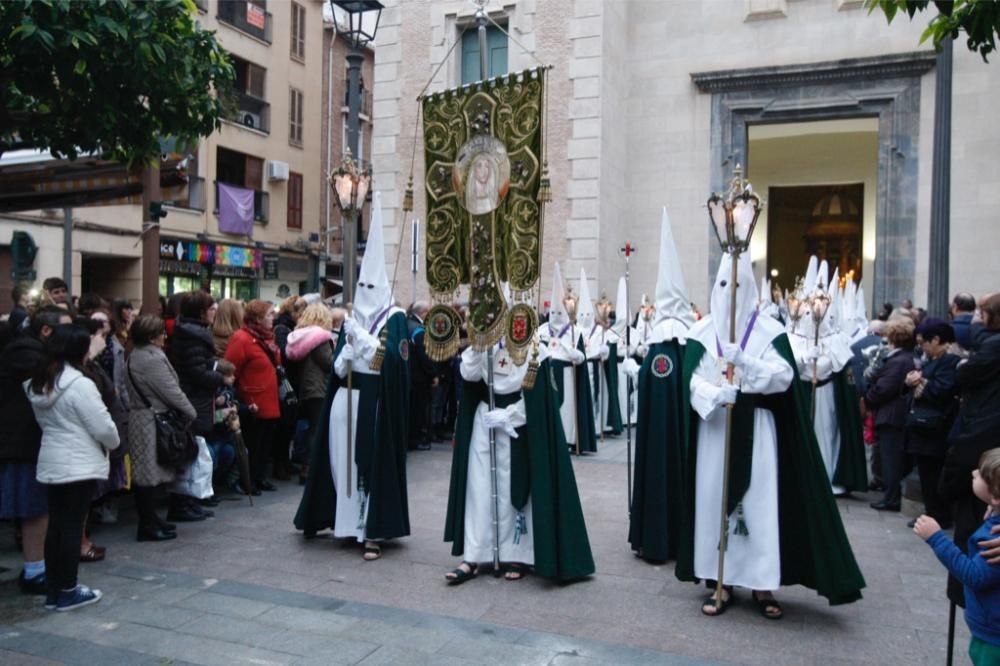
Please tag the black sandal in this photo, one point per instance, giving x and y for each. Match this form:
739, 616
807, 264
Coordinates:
372, 552
514, 571
710, 603
458, 575
769, 607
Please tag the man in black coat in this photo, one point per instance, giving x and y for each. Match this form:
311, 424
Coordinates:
192, 353
979, 423
962, 309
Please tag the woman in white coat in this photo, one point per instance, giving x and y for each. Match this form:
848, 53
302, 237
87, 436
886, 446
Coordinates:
77, 433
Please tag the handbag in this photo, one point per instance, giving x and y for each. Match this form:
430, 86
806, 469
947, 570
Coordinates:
176, 447
287, 398
925, 418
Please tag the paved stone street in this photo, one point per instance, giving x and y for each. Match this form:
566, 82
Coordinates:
245, 587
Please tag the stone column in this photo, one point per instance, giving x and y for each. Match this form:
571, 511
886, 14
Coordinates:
938, 266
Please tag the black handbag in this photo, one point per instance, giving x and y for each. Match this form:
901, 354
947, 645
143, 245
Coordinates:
287, 398
176, 447
925, 418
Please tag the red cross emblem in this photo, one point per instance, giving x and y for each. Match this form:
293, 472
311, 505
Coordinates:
628, 250
519, 329
502, 362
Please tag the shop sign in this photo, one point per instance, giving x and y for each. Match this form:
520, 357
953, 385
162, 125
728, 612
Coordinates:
173, 267
235, 255
234, 272
270, 264
178, 250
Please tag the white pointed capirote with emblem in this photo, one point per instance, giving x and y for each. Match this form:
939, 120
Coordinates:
672, 302
557, 310
373, 294
585, 306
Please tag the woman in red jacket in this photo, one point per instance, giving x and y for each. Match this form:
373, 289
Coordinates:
253, 351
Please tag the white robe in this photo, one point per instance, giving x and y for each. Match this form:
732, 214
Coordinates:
595, 364
835, 354
752, 561
560, 348
516, 529
352, 512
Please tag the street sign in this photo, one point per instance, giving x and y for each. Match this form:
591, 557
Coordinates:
270, 266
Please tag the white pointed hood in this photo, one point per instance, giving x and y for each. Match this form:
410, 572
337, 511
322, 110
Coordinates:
812, 275
672, 301
557, 311
585, 307
623, 318
373, 294
860, 312
721, 299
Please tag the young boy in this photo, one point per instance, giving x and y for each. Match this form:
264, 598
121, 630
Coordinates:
981, 580
227, 421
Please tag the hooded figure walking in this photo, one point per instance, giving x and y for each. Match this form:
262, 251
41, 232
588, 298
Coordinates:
784, 525
357, 479
657, 500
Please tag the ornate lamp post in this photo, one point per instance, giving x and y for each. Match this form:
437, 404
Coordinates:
356, 22
351, 183
733, 217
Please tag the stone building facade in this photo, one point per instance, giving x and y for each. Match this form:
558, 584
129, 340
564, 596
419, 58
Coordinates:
652, 104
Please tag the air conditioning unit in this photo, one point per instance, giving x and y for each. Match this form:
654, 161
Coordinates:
277, 170
251, 120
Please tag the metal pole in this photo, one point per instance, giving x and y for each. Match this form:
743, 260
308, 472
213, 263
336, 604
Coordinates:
350, 419
414, 256
628, 384
150, 242
68, 252
354, 60
724, 521
576, 393
481, 23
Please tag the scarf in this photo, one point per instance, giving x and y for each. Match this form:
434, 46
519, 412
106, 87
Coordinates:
264, 336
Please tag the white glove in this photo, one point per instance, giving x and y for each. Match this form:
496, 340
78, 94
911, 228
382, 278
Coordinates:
576, 357
499, 419
726, 395
642, 350
631, 368
349, 327
605, 352
347, 353
813, 354
733, 354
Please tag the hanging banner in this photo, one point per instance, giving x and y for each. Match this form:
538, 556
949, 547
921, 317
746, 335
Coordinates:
483, 156
234, 255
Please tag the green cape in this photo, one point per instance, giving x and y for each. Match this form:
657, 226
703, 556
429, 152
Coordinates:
380, 451
815, 551
540, 469
586, 429
852, 467
658, 490
613, 420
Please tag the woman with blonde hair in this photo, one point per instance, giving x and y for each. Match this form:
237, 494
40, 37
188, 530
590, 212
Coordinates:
311, 346
228, 320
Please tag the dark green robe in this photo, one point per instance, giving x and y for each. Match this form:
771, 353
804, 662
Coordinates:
613, 419
658, 489
381, 437
540, 470
585, 427
852, 467
815, 550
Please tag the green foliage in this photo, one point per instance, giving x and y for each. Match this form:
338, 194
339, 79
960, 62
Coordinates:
108, 76
978, 19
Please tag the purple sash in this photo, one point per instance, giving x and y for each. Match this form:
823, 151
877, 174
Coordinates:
746, 334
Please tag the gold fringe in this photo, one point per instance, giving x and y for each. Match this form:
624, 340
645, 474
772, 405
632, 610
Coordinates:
408, 196
444, 350
531, 375
379, 357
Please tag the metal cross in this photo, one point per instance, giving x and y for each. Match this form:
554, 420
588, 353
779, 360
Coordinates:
628, 250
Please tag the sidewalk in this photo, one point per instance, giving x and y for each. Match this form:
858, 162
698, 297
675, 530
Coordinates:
246, 588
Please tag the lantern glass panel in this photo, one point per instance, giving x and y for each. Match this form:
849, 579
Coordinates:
717, 211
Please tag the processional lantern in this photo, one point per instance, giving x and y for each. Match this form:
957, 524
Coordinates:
351, 183
356, 21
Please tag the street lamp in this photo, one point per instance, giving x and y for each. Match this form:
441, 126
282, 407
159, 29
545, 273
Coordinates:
355, 21
733, 217
351, 183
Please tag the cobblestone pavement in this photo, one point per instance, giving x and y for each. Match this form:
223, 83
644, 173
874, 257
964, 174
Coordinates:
245, 587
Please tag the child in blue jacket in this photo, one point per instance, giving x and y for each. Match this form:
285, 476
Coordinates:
981, 580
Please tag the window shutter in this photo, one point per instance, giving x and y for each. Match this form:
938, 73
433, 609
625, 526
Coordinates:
255, 173
255, 80
294, 200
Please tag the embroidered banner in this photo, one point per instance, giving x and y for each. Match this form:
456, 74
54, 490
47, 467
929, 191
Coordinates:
483, 159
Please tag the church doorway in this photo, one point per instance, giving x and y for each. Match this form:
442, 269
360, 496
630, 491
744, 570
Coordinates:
819, 180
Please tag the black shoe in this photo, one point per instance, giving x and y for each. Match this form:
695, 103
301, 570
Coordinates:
884, 506
210, 501
876, 486
911, 523
255, 491
267, 485
154, 534
35, 586
185, 516
165, 526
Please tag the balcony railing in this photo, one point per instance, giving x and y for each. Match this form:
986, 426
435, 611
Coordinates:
261, 204
245, 16
253, 112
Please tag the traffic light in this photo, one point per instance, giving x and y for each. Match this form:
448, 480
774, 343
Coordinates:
22, 252
156, 211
